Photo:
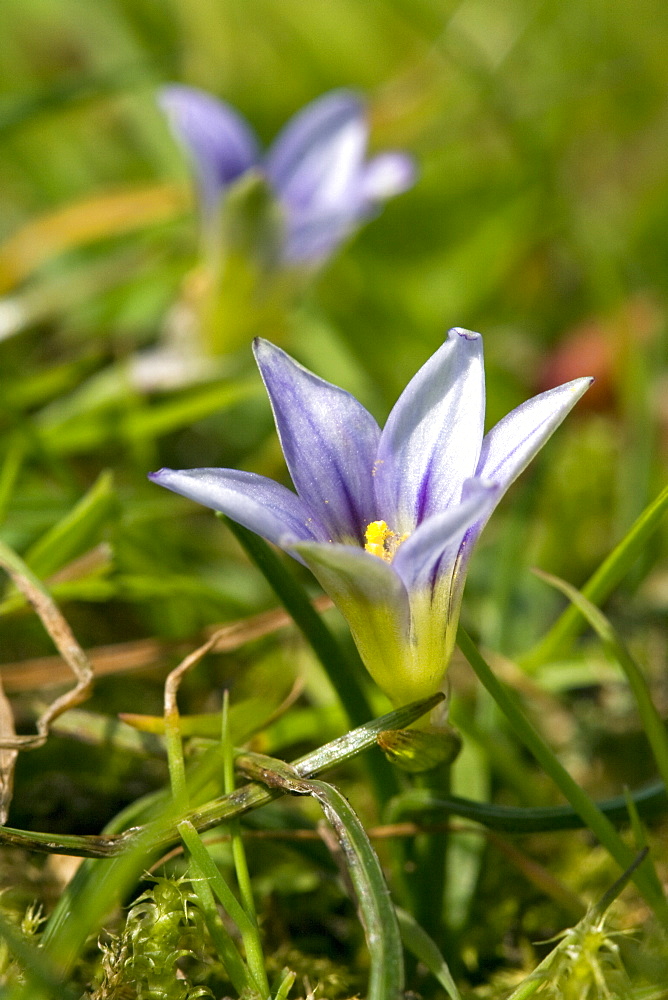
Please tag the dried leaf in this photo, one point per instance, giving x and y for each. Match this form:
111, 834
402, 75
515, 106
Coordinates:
83, 222
45, 671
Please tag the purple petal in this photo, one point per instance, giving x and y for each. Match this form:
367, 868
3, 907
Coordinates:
220, 143
314, 233
432, 438
509, 447
329, 441
387, 175
259, 504
312, 238
433, 547
315, 163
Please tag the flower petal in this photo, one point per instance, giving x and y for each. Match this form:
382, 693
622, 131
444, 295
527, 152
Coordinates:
220, 143
431, 441
386, 175
509, 447
315, 231
329, 441
350, 569
316, 161
312, 238
374, 602
432, 549
260, 504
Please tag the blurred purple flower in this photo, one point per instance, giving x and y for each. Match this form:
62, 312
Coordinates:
316, 167
386, 520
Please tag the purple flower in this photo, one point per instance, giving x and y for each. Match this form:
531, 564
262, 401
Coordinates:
386, 520
316, 167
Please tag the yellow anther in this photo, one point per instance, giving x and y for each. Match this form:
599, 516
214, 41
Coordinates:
381, 541
375, 536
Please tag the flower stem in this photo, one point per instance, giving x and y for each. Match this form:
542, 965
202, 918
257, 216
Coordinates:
430, 853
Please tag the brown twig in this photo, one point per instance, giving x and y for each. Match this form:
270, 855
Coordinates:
43, 671
175, 676
53, 621
7, 756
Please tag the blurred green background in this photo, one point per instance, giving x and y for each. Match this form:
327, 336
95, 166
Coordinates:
540, 218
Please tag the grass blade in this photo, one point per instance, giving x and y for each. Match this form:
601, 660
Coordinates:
75, 533
206, 882
592, 816
599, 586
377, 914
651, 720
426, 951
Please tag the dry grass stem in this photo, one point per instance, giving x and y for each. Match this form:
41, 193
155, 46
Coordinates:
66, 644
141, 654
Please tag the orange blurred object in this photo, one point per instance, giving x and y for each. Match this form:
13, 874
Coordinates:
599, 347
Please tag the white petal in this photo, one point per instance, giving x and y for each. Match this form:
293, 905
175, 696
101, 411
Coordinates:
432, 438
386, 175
509, 447
316, 161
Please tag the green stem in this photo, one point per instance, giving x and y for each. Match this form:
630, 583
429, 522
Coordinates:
430, 851
285, 985
175, 762
386, 978
97, 888
252, 942
161, 832
377, 914
649, 801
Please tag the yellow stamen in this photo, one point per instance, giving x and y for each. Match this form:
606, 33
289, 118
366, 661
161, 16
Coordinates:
381, 541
